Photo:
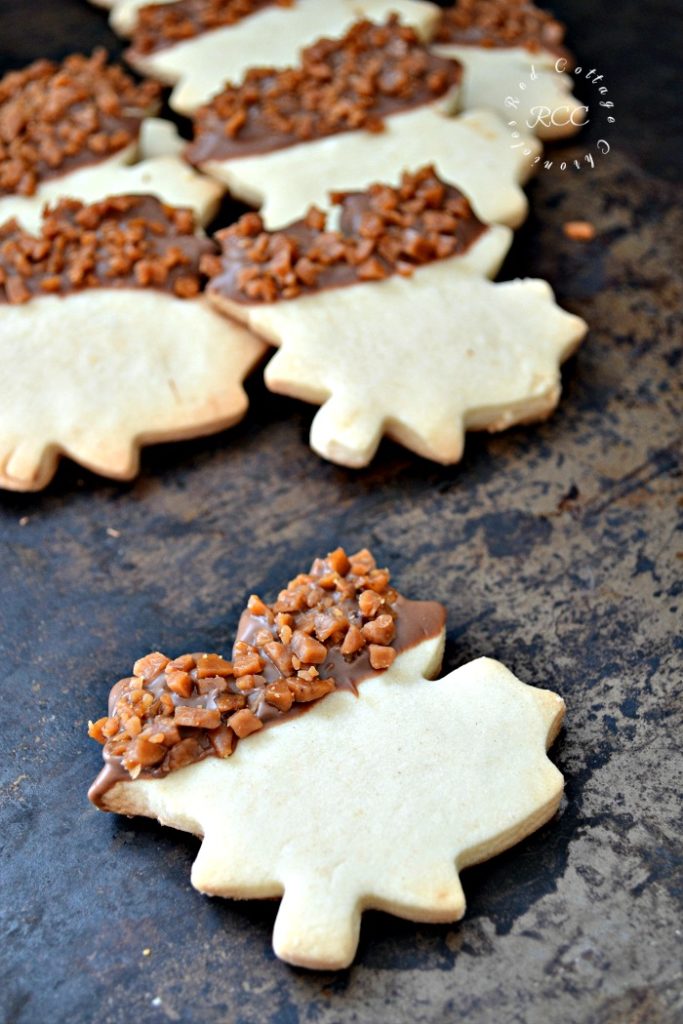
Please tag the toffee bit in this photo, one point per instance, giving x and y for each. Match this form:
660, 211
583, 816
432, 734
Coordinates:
150, 666
304, 691
244, 723
579, 230
213, 665
381, 657
200, 718
180, 683
280, 695
223, 740
383, 230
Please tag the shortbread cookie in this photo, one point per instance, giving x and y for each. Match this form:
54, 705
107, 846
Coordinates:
510, 51
358, 109
106, 341
77, 130
199, 45
125, 12
376, 798
131, 6
389, 323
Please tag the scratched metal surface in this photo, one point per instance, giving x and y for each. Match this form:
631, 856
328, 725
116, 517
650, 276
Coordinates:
557, 549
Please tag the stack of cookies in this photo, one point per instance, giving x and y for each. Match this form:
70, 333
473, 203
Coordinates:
370, 138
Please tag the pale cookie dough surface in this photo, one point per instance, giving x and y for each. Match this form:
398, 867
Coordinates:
371, 802
473, 151
502, 80
420, 359
200, 67
124, 18
152, 167
96, 374
125, 12
159, 137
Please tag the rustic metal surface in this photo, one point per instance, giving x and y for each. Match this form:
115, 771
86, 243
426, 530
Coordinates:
556, 549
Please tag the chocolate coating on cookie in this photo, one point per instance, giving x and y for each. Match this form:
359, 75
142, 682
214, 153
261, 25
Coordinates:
328, 630
159, 26
56, 118
340, 85
497, 24
120, 242
383, 231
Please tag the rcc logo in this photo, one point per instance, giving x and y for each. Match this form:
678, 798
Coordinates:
558, 117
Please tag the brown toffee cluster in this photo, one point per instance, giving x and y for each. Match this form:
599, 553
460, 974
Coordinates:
162, 25
57, 117
340, 85
120, 242
500, 23
328, 629
383, 230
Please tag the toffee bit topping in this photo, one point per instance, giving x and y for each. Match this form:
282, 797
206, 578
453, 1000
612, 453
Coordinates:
57, 117
579, 230
340, 85
501, 23
328, 629
162, 25
383, 231
120, 242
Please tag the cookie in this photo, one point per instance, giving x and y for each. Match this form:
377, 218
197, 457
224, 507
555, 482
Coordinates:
107, 342
282, 140
390, 784
125, 12
389, 322
510, 51
80, 129
199, 45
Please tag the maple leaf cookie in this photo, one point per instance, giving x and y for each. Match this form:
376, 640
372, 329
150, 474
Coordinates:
510, 51
199, 45
78, 130
125, 12
106, 341
389, 322
390, 784
358, 109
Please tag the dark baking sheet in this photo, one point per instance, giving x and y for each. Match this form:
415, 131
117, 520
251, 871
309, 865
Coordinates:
557, 549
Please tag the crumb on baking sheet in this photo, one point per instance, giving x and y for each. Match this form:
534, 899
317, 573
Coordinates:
579, 230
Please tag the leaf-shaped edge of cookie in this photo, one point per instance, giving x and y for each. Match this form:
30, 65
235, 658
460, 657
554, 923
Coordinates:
95, 375
124, 12
273, 37
492, 82
387, 357
152, 166
473, 151
414, 780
